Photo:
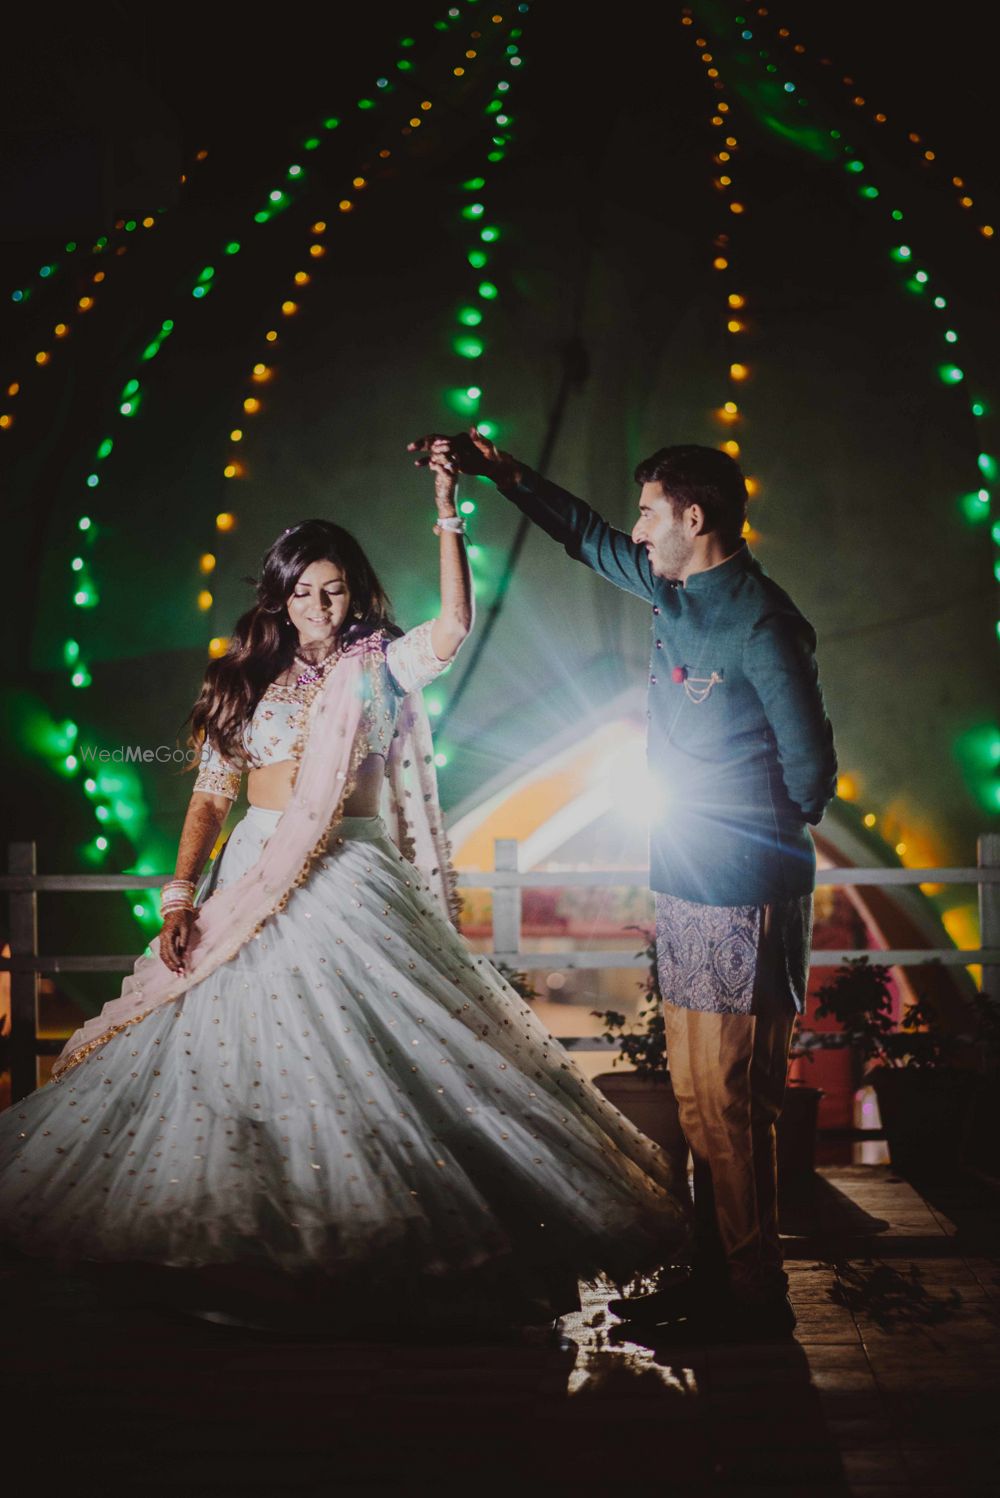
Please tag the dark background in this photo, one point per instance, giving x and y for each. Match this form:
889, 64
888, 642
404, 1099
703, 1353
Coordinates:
608, 216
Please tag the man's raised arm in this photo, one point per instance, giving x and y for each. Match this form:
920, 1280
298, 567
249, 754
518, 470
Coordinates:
588, 538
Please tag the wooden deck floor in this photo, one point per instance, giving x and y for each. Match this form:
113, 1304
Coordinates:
889, 1387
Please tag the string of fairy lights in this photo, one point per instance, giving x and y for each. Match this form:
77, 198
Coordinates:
107, 248
115, 796
479, 297
917, 281
735, 318
264, 368
929, 158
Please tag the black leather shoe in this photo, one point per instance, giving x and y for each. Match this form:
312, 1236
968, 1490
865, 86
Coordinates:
680, 1301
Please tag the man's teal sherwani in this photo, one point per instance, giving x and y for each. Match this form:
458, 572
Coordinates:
746, 768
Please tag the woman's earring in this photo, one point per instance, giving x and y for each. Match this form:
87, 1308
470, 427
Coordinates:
358, 614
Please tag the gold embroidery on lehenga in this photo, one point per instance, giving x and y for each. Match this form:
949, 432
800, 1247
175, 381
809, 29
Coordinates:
320, 847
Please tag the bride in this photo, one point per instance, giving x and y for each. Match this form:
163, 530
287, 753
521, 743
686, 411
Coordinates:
313, 1079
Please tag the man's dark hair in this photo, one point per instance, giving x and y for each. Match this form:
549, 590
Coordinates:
705, 476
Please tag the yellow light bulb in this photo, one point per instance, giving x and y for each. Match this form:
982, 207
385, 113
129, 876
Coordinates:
217, 646
717, 119
289, 308
900, 849
225, 521
6, 420
271, 335
720, 262
385, 155
206, 562
42, 357
60, 330
965, 202
731, 408
458, 72
317, 251
726, 181
319, 227
14, 388
734, 325
723, 108
251, 405
870, 819
713, 72
987, 231
231, 470
302, 278
958, 181
470, 54
345, 205
731, 140
414, 123
880, 119
929, 155
736, 300
732, 448
85, 303
204, 600
736, 207
847, 787
148, 223
753, 486
236, 435
426, 104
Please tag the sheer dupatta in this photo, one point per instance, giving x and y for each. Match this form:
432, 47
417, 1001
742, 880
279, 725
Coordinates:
332, 751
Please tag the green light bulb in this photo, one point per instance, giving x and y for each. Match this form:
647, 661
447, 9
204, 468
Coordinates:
90, 785
331, 123
473, 210
469, 348
473, 392
468, 507
978, 409
470, 317
105, 448
921, 276
902, 252
855, 166
101, 813
488, 291
311, 143
477, 258
92, 481
71, 762
474, 184
101, 842
951, 374
987, 466
84, 523
233, 247
940, 302
295, 171
868, 191
489, 235
71, 652
77, 564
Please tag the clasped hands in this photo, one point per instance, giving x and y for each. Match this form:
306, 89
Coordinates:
466, 452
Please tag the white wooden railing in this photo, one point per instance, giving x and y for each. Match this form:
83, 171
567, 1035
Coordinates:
26, 965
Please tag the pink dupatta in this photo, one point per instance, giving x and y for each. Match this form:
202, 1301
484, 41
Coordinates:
332, 752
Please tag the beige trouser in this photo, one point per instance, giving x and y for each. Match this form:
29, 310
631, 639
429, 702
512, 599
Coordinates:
728, 1073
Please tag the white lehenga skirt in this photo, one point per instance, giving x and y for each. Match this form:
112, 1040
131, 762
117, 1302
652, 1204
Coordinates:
355, 1093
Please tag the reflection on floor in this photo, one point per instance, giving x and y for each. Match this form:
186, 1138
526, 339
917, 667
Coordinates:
888, 1387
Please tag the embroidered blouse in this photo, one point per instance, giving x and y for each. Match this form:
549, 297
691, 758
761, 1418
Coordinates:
275, 731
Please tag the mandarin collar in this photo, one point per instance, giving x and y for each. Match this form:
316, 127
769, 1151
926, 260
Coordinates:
719, 576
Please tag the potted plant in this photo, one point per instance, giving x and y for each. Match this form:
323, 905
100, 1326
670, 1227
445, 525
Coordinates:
645, 1094
646, 1097
923, 1090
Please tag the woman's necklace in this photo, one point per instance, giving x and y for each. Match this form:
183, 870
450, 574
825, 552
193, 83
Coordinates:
314, 671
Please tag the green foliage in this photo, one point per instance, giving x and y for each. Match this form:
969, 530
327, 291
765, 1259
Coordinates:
645, 1044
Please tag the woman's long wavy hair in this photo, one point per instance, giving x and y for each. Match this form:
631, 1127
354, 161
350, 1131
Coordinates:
264, 639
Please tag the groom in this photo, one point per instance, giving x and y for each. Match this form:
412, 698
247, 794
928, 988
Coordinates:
741, 751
